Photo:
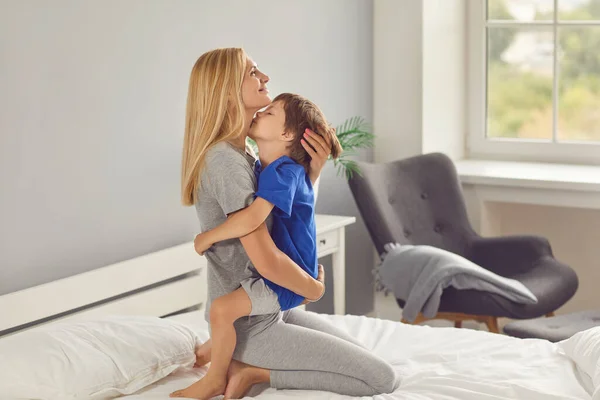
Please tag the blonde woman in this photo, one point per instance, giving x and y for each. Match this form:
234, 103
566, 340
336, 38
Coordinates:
289, 350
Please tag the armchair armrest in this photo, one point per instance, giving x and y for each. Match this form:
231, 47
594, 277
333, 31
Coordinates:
509, 255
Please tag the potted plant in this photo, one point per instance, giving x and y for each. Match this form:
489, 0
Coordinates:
353, 134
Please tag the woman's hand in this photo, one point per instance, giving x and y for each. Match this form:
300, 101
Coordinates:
201, 244
321, 279
319, 149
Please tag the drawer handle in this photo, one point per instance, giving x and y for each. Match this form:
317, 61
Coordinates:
322, 241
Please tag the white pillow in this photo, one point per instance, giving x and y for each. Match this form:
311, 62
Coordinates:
97, 359
584, 349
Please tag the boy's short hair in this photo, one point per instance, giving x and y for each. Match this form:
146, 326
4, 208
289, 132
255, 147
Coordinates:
300, 114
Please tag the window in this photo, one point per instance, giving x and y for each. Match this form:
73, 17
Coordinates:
534, 74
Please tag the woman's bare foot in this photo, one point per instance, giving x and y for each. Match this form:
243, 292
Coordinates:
241, 377
206, 388
203, 354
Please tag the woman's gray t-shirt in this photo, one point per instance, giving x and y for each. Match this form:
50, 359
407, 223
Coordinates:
228, 184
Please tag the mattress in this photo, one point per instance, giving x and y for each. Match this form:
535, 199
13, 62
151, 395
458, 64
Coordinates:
433, 363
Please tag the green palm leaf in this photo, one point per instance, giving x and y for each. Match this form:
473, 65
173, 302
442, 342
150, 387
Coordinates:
354, 133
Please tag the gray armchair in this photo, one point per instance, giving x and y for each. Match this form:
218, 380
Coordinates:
419, 201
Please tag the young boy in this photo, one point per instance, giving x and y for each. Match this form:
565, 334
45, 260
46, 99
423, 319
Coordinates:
285, 189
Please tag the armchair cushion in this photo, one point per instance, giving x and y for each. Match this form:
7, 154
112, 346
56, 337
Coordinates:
509, 255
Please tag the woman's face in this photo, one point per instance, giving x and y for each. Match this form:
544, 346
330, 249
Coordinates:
255, 94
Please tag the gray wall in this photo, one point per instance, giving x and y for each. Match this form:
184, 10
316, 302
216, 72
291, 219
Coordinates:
92, 102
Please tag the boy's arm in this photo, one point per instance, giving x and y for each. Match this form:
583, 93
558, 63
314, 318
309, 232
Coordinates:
237, 225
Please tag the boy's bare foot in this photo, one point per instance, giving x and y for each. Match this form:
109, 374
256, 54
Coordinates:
203, 354
241, 377
206, 388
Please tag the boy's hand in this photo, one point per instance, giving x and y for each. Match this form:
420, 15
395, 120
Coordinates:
201, 244
320, 278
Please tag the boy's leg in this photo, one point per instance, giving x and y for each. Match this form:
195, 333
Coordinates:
203, 354
224, 311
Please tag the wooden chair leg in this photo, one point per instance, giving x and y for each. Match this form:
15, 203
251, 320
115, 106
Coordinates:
420, 318
492, 324
457, 318
550, 314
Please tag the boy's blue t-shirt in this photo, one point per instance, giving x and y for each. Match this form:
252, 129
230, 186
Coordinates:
285, 184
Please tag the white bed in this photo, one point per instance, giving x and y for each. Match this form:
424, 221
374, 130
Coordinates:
433, 363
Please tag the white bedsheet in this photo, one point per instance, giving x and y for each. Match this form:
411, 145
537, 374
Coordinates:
434, 363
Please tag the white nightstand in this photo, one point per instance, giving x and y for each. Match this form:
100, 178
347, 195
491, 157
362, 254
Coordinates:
331, 239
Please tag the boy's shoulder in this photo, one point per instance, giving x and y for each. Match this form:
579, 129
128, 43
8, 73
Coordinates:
287, 164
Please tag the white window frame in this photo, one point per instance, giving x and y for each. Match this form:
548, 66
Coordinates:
481, 147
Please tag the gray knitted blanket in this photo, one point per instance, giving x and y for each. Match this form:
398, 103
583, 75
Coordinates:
419, 274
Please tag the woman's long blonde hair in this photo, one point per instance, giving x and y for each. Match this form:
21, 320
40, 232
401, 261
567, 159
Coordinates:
215, 112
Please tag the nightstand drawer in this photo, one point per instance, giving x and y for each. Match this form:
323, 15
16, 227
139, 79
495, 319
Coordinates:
327, 241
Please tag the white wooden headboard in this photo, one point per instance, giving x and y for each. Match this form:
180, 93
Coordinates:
156, 284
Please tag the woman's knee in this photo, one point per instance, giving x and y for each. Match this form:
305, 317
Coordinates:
385, 378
